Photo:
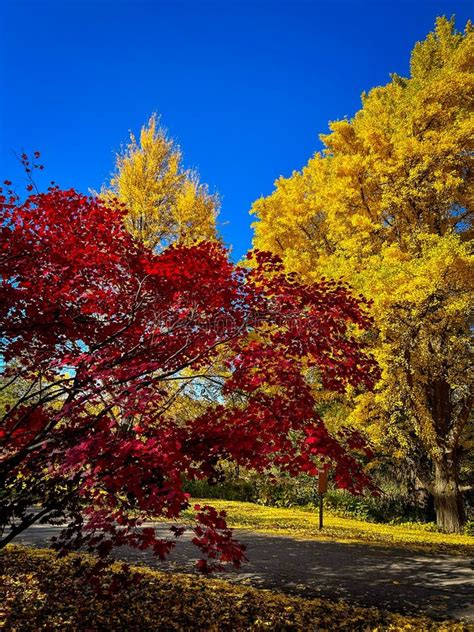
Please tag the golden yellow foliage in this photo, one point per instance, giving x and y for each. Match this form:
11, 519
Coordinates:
388, 206
166, 203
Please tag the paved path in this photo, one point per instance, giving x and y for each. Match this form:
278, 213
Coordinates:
392, 578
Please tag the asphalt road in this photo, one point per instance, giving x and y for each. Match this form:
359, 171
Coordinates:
392, 578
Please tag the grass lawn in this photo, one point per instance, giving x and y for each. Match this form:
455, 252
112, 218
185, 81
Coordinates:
303, 523
38, 591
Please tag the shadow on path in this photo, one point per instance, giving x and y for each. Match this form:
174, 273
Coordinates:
391, 578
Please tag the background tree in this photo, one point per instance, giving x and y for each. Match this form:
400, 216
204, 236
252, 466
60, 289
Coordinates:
165, 202
388, 207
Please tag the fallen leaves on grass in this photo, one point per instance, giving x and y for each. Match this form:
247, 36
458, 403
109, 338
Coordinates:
302, 523
43, 592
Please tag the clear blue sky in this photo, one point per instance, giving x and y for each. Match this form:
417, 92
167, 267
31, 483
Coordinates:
245, 87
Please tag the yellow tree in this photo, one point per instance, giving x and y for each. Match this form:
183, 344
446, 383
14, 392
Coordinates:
166, 202
388, 206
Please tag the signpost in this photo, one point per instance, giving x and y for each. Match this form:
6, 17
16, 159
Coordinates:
322, 489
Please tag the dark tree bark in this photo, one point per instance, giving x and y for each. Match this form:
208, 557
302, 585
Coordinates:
449, 506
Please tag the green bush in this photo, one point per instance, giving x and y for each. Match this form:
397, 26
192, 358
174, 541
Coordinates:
389, 507
286, 491
233, 489
469, 528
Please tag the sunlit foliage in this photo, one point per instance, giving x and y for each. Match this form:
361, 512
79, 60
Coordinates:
388, 206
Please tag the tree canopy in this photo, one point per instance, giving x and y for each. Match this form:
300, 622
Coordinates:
100, 334
388, 206
165, 202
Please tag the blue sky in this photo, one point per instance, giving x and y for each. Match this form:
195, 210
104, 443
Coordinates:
244, 87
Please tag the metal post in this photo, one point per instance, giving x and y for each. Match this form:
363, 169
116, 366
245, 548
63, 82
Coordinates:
321, 510
322, 488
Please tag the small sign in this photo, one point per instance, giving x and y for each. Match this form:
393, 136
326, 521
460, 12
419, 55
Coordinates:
323, 481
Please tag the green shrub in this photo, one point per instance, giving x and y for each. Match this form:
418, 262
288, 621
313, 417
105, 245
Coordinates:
286, 491
233, 489
389, 507
469, 528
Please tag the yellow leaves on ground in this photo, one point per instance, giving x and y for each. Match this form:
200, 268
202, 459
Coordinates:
42, 592
303, 523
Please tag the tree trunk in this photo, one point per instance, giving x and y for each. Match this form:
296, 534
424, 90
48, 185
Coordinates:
448, 499
423, 499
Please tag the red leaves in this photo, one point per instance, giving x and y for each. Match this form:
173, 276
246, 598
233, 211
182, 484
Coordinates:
215, 540
108, 347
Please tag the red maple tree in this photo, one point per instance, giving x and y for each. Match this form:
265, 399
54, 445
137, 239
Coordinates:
125, 371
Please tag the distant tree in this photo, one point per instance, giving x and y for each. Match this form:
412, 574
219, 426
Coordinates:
165, 202
99, 336
388, 206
